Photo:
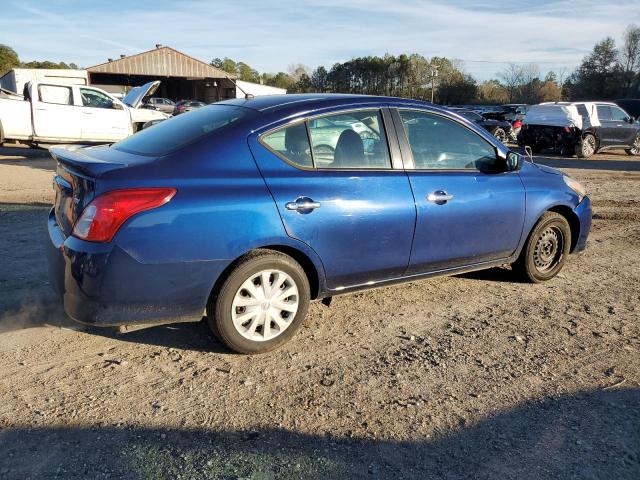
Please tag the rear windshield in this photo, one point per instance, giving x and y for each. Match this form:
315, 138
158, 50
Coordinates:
169, 135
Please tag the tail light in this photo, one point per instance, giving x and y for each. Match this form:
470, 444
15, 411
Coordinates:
568, 129
102, 218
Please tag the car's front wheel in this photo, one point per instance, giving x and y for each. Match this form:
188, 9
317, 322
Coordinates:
261, 304
546, 250
635, 148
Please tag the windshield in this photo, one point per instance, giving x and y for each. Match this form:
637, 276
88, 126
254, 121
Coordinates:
169, 135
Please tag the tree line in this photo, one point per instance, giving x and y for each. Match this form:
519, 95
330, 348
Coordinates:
608, 72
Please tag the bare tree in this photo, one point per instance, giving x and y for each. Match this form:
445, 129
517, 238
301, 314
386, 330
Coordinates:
630, 56
511, 78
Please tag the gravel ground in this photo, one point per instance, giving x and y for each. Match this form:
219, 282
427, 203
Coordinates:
474, 376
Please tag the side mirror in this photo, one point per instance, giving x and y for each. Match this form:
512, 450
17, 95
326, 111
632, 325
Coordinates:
116, 106
513, 162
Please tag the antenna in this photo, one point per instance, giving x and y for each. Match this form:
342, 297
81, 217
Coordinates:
247, 96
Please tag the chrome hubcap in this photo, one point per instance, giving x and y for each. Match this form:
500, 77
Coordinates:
265, 305
548, 249
636, 147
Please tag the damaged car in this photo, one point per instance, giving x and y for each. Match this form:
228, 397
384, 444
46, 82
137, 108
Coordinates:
583, 128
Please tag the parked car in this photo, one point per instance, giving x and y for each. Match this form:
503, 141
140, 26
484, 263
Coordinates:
581, 127
500, 130
187, 105
230, 210
165, 105
631, 106
73, 113
505, 113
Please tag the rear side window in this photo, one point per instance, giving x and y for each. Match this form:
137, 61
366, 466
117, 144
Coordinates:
169, 135
604, 112
438, 143
55, 94
354, 140
292, 144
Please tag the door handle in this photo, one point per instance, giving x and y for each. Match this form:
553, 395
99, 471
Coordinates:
302, 205
439, 197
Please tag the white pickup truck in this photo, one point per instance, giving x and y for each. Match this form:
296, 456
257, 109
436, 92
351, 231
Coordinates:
50, 113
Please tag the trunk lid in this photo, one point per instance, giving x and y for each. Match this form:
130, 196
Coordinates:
75, 182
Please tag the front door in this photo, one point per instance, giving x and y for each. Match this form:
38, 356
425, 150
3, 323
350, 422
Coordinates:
102, 117
342, 197
626, 132
464, 215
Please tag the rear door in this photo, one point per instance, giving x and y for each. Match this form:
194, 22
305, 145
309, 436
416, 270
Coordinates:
608, 126
344, 197
103, 118
464, 215
54, 114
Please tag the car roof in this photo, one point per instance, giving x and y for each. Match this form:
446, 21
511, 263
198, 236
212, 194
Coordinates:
271, 103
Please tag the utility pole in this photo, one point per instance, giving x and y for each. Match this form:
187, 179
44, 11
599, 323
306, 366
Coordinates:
434, 74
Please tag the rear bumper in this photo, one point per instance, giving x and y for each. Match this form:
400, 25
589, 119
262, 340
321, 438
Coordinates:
583, 211
102, 285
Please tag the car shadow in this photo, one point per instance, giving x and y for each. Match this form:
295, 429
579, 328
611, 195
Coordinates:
586, 435
588, 164
497, 274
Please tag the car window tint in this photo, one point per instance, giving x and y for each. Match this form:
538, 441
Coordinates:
353, 140
291, 143
169, 135
55, 94
441, 144
604, 112
95, 99
617, 114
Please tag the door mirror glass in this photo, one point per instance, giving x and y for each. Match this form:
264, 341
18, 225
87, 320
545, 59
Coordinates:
513, 162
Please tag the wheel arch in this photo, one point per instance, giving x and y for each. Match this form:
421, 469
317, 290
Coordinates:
572, 219
311, 269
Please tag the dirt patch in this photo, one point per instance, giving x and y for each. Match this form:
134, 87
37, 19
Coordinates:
473, 376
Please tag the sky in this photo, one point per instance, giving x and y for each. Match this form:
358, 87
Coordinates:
270, 35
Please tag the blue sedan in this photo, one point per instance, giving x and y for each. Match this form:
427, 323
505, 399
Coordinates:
247, 210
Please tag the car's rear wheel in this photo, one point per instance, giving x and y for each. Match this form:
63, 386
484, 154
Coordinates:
546, 250
587, 146
261, 304
500, 134
635, 148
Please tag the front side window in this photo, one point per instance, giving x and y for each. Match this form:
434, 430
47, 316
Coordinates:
95, 99
354, 140
438, 143
56, 94
618, 115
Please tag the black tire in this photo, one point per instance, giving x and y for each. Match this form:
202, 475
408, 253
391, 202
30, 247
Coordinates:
635, 148
219, 308
500, 135
546, 250
587, 146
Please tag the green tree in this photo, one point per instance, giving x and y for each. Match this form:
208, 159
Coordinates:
8, 58
226, 64
599, 74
